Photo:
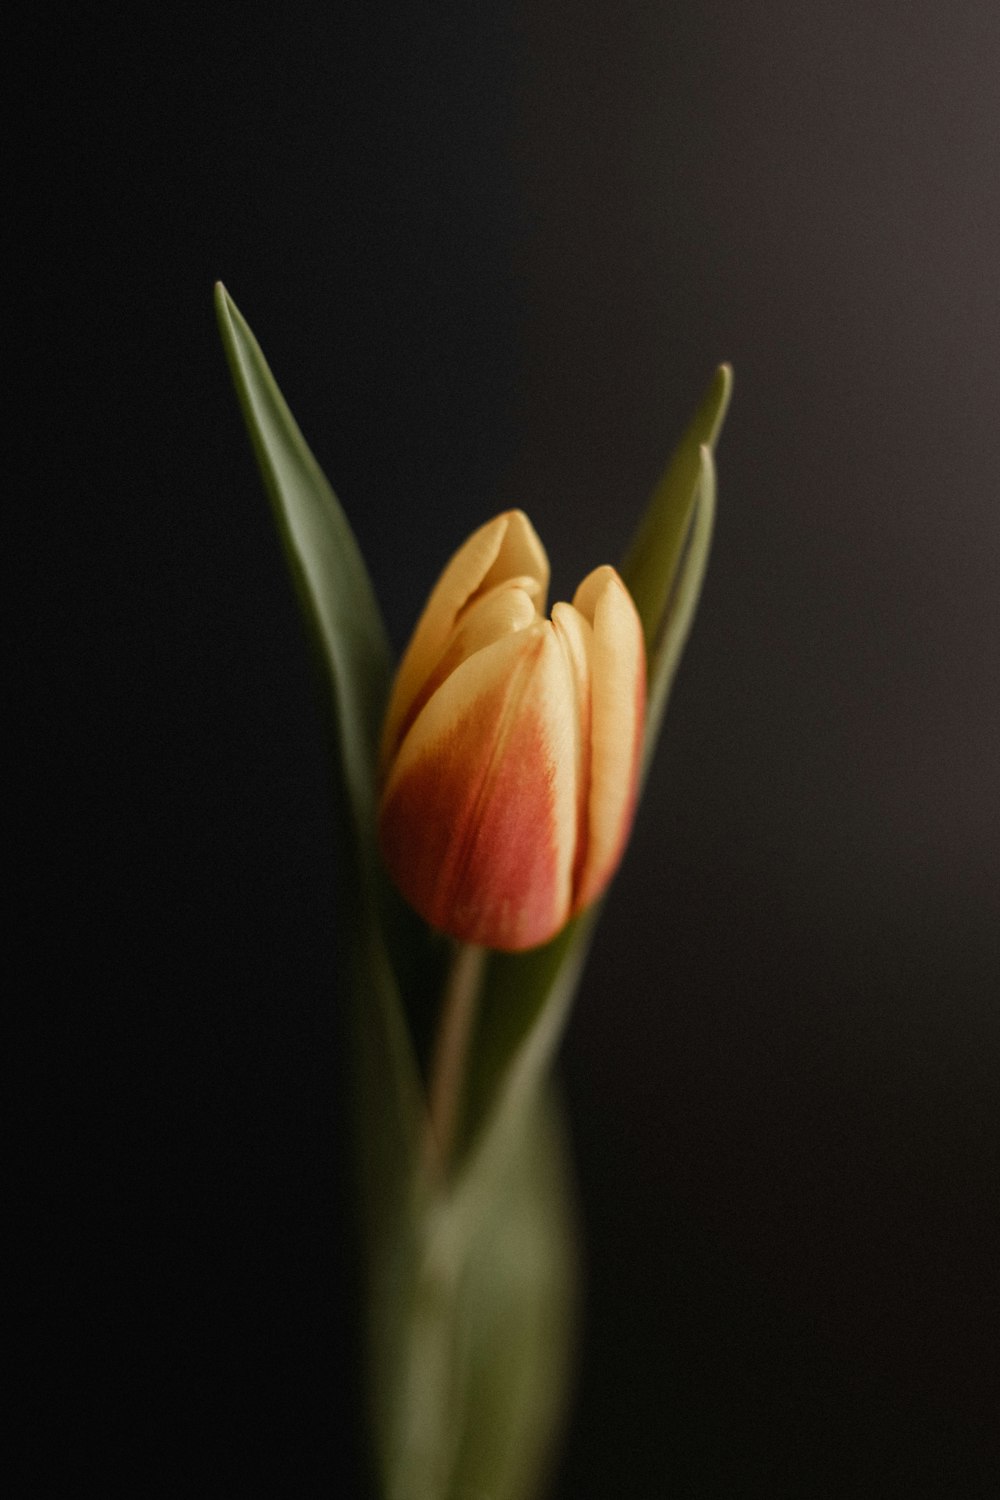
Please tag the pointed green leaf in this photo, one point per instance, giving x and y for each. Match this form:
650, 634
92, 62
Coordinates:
346, 629
527, 996
333, 587
651, 562
678, 614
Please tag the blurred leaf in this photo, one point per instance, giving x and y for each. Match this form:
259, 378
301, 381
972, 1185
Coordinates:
490, 1306
516, 1316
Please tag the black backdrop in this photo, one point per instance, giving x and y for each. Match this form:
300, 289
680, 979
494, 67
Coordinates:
493, 253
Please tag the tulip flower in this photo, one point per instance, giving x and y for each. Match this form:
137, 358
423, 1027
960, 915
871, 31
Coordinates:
510, 750
505, 786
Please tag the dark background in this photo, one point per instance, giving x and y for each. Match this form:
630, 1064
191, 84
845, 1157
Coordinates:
493, 253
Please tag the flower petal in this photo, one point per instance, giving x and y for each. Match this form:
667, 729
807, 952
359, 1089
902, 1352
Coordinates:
504, 549
504, 610
618, 703
576, 636
478, 818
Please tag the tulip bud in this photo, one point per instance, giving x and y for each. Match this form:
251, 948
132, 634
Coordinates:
510, 750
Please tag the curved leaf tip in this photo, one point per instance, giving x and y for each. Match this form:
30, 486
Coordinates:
716, 402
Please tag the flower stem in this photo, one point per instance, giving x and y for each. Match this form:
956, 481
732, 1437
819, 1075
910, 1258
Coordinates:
451, 1050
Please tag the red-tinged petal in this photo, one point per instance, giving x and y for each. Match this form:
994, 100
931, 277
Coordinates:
478, 818
505, 548
618, 704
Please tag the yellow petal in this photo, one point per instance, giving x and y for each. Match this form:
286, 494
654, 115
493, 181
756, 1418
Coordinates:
504, 610
618, 703
576, 637
506, 548
478, 819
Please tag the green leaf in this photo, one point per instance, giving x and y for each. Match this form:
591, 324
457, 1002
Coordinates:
329, 574
523, 1009
682, 600
665, 565
515, 1315
527, 996
651, 562
346, 630
489, 1309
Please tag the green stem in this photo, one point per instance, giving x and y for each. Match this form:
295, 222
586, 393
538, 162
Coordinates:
451, 1052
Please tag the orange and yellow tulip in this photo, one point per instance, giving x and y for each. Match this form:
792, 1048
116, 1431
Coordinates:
510, 750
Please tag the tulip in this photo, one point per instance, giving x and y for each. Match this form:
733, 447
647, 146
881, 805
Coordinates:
510, 750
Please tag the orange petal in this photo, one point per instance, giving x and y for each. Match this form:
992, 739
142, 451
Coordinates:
506, 548
478, 819
618, 705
